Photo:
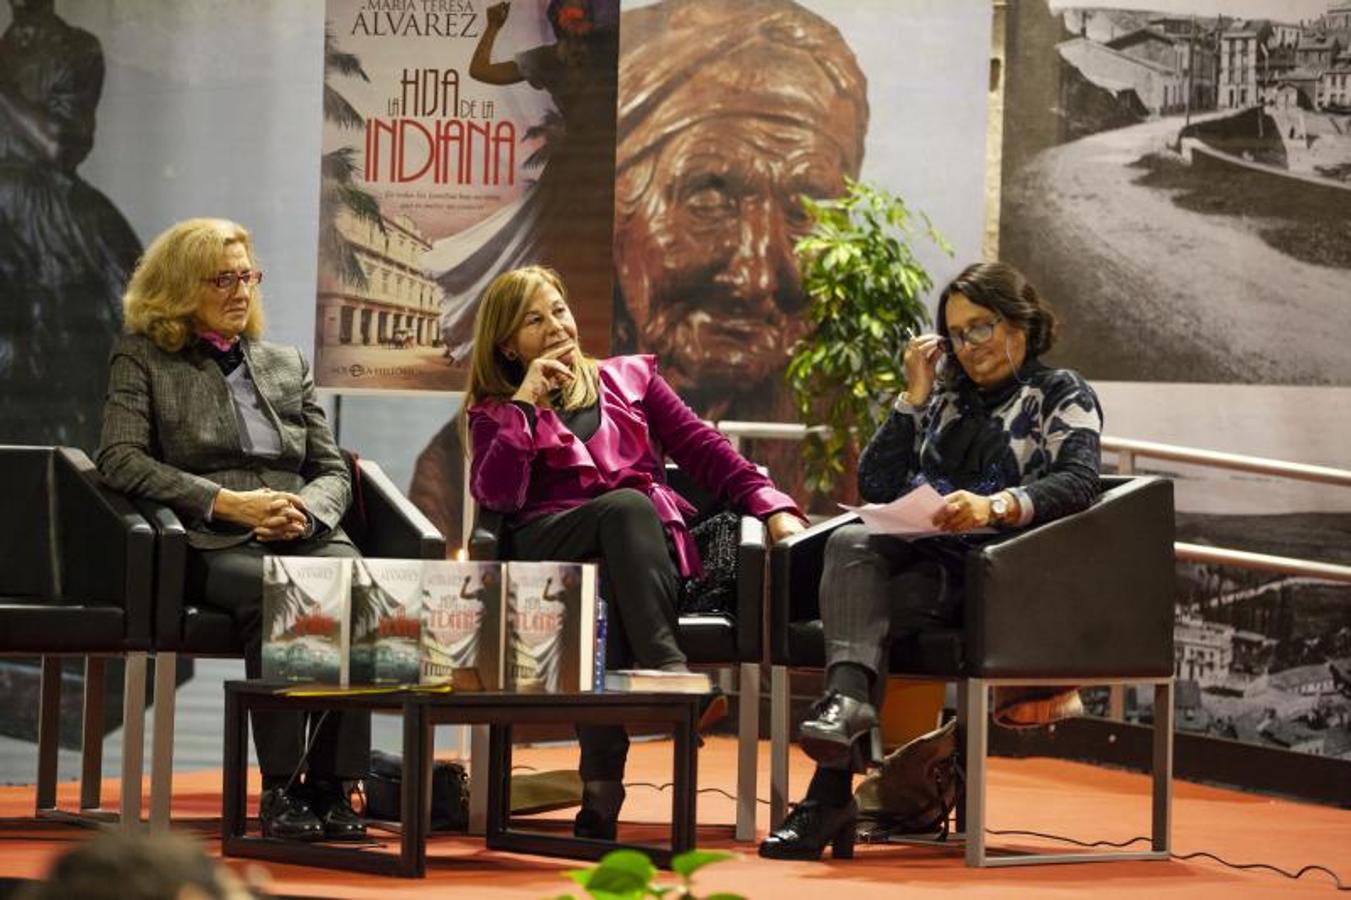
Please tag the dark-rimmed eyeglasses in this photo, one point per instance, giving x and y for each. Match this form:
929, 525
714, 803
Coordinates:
226, 281
974, 336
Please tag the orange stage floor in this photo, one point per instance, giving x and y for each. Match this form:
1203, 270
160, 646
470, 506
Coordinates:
1070, 799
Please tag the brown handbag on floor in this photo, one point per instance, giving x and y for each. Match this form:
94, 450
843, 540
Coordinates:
916, 787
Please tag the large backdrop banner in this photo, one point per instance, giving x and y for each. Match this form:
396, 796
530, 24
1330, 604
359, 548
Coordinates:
458, 143
728, 114
1177, 179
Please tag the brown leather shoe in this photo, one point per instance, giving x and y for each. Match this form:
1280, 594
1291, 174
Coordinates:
1034, 707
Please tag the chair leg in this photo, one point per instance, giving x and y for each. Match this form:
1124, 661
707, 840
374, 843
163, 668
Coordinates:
977, 707
960, 810
162, 750
91, 734
778, 746
748, 745
1162, 837
49, 732
133, 739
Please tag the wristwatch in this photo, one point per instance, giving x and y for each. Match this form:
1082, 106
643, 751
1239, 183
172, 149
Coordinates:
999, 506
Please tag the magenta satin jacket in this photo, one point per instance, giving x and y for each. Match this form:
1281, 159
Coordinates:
641, 422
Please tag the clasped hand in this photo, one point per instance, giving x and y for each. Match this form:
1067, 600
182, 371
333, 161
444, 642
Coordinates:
273, 515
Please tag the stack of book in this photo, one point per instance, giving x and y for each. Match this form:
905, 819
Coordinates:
519, 626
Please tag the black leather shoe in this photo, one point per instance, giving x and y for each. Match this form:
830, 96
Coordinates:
842, 728
591, 824
333, 808
284, 815
809, 827
599, 815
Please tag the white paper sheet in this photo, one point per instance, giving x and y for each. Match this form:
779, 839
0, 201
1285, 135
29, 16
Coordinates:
908, 516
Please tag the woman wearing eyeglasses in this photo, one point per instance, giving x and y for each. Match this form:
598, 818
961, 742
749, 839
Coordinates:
1008, 442
223, 427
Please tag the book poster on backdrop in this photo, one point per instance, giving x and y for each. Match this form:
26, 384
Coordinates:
1212, 300
307, 614
457, 144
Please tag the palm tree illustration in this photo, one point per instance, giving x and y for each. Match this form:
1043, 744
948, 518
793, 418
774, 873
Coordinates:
338, 190
551, 132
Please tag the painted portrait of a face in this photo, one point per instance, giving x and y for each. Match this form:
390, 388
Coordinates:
728, 115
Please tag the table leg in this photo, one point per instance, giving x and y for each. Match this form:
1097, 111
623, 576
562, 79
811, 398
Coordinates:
415, 799
683, 780
234, 786
498, 771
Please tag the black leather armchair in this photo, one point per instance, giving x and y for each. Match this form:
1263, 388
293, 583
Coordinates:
1087, 599
718, 639
75, 580
381, 522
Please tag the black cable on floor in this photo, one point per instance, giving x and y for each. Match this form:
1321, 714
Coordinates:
1181, 857
1294, 876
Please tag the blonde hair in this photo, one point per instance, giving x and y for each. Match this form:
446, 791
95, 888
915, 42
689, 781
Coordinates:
166, 288
501, 310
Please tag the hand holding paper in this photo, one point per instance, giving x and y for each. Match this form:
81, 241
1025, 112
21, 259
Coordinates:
909, 516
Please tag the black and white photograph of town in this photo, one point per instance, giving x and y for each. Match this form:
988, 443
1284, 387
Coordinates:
1178, 183
1220, 149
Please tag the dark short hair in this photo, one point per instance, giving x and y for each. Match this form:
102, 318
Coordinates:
1000, 287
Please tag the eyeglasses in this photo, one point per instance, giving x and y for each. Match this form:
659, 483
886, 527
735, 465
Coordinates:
974, 336
226, 281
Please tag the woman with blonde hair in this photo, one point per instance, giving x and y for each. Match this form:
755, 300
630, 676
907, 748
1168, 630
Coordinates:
223, 427
571, 450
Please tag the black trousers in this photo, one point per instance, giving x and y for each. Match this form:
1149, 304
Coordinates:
640, 584
232, 579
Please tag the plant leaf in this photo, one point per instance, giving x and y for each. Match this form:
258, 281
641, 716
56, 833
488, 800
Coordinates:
687, 863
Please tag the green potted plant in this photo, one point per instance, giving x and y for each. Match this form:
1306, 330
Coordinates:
866, 287
630, 875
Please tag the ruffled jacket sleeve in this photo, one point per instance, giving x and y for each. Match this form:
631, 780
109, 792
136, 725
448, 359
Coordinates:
503, 443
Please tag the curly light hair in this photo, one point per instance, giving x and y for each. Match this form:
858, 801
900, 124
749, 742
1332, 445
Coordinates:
167, 287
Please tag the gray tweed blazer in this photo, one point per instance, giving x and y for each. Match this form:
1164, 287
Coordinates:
170, 433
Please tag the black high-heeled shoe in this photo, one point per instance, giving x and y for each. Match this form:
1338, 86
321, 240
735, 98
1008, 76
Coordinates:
809, 827
842, 728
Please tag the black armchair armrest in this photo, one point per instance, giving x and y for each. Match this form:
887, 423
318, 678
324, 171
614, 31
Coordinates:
1088, 593
105, 547
795, 566
750, 584
391, 525
171, 563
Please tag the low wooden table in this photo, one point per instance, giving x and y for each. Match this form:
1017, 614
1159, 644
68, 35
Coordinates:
422, 712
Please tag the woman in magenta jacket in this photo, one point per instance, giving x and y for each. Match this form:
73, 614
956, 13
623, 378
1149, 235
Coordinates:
571, 449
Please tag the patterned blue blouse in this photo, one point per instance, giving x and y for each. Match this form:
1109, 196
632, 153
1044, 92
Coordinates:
1037, 435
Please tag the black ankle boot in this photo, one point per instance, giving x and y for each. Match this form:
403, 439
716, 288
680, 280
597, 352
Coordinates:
809, 827
842, 728
284, 814
599, 815
333, 807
